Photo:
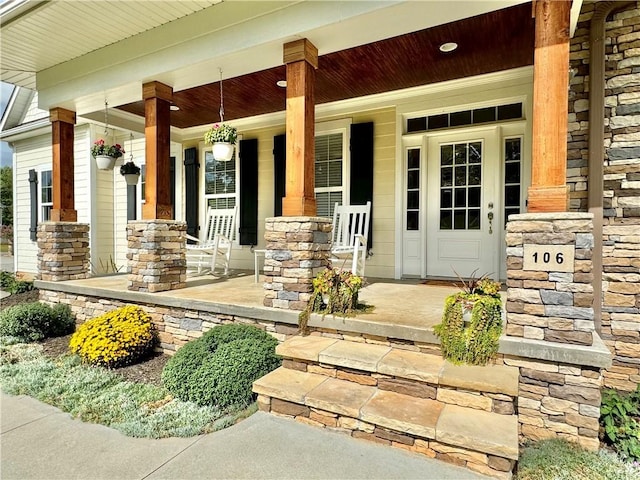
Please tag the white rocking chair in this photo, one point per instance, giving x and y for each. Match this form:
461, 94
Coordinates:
350, 232
214, 249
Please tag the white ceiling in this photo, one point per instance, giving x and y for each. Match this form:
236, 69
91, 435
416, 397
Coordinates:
70, 29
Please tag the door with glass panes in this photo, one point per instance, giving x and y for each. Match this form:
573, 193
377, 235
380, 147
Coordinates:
463, 204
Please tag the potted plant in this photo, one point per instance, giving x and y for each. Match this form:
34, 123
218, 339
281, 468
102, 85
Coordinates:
472, 322
131, 172
223, 138
106, 154
334, 291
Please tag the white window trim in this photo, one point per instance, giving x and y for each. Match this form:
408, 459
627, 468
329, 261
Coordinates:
140, 200
41, 169
343, 127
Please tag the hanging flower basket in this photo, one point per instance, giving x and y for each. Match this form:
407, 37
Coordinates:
223, 137
106, 154
105, 162
131, 172
223, 151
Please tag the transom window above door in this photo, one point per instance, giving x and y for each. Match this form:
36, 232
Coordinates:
512, 111
460, 186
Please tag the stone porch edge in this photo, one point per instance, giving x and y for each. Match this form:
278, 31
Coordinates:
596, 355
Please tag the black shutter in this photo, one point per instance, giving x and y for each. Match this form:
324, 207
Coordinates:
33, 192
361, 187
191, 166
172, 185
279, 172
249, 192
132, 202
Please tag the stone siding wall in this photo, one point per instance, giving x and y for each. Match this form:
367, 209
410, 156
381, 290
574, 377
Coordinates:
297, 249
63, 251
156, 255
175, 326
558, 400
621, 236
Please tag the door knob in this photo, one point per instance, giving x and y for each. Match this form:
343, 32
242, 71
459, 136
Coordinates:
490, 217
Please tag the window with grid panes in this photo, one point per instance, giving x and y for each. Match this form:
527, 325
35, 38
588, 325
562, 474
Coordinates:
328, 179
512, 165
413, 189
220, 180
46, 194
460, 186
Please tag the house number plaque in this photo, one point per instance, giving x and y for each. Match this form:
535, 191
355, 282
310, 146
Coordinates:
549, 258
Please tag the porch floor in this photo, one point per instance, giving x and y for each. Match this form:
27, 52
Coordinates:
403, 304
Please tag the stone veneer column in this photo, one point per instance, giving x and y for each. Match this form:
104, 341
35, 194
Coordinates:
63, 251
547, 300
297, 249
156, 255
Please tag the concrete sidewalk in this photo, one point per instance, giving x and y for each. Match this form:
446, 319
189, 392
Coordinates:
41, 442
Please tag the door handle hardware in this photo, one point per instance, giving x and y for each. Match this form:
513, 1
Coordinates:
490, 217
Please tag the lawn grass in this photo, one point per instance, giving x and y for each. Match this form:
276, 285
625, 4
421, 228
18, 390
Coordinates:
97, 395
557, 459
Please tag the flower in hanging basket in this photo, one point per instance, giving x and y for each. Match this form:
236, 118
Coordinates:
129, 168
102, 148
221, 132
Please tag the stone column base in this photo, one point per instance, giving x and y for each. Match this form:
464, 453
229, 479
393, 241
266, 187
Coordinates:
156, 256
63, 251
550, 277
297, 249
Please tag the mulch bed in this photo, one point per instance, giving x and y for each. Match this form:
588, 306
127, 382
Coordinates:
18, 298
148, 370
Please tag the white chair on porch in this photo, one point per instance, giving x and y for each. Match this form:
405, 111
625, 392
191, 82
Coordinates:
215, 246
350, 233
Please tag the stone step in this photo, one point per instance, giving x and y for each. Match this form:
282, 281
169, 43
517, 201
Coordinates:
398, 363
479, 438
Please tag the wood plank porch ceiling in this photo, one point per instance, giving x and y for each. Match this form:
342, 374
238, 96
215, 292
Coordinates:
496, 41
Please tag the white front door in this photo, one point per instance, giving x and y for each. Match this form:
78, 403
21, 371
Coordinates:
463, 203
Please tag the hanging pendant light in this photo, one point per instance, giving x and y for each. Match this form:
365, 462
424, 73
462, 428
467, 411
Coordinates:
129, 170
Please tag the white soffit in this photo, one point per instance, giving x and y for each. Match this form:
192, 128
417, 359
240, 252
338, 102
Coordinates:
37, 35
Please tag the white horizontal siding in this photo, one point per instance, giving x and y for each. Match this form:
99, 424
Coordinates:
33, 112
28, 154
36, 153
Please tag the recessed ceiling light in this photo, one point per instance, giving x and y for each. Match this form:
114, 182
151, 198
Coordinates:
281, 83
448, 47
174, 108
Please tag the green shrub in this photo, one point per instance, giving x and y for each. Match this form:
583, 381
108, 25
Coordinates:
620, 419
9, 283
32, 322
220, 367
117, 338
